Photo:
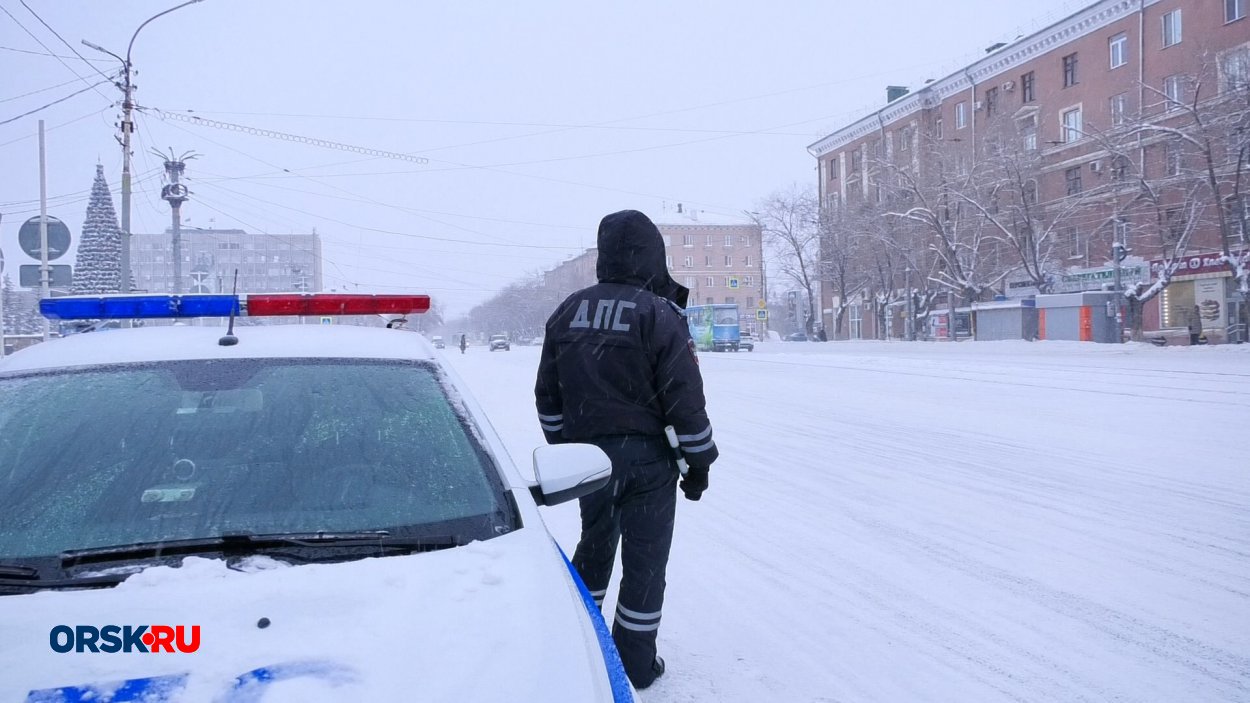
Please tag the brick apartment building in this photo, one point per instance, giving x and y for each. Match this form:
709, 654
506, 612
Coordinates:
1068, 101
720, 260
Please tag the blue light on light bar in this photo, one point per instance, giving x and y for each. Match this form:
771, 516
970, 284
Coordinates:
138, 307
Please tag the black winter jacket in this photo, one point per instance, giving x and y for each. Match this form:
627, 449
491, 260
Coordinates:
617, 357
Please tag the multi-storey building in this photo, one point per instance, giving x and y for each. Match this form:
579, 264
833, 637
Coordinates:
1072, 114
267, 263
719, 260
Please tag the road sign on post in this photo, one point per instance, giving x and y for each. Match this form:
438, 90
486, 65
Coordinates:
327, 320
59, 276
761, 314
58, 238
733, 283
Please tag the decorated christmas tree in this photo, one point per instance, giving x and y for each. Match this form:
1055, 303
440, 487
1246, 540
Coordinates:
98, 267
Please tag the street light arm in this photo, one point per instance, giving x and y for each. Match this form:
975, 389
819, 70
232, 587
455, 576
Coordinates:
131, 46
102, 50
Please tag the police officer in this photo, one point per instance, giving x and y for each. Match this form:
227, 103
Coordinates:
617, 366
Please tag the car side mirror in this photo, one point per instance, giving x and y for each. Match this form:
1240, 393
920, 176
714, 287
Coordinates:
568, 471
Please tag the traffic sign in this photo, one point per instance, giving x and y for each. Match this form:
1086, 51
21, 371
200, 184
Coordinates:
327, 320
761, 314
761, 304
58, 238
733, 283
59, 276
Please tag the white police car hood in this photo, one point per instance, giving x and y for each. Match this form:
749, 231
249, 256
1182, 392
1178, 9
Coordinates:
489, 621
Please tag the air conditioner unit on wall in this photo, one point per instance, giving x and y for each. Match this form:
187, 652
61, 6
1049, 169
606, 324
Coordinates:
1009, 86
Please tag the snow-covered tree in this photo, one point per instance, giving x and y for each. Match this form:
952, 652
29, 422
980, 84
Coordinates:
18, 317
98, 267
790, 222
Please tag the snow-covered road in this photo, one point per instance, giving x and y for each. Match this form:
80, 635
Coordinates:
971, 522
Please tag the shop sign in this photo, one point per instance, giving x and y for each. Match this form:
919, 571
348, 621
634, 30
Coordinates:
1194, 265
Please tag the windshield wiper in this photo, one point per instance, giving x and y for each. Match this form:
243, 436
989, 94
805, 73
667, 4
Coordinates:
21, 576
245, 543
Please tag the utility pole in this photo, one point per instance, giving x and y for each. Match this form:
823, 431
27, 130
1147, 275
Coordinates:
909, 330
128, 127
175, 193
44, 271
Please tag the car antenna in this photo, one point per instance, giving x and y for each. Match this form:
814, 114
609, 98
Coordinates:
230, 340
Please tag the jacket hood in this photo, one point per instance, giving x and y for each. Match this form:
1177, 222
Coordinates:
631, 250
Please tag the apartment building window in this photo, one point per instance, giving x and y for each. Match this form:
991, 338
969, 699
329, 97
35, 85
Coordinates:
1072, 125
749, 282
1026, 87
710, 241
1172, 157
1119, 50
1074, 242
1119, 167
1030, 192
1072, 178
689, 262
937, 128
1234, 10
1175, 224
1119, 109
744, 240
1235, 70
904, 139
857, 160
1069, 70
687, 240
832, 165
1028, 131
690, 282
1172, 28
729, 260
668, 261
750, 302
746, 261
711, 282
707, 262
729, 240
1174, 91
1121, 230
991, 101
729, 300
727, 281
961, 115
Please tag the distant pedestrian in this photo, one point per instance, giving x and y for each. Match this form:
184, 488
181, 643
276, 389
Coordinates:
821, 335
464, 342
617, 366
1195, 326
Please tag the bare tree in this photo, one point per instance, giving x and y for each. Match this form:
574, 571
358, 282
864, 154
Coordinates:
843, 236
939, 201
791, 227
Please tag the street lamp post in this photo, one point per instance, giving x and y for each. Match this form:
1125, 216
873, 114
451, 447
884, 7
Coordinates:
128, 105
909, 330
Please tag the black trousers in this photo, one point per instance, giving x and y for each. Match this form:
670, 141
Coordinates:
635, 509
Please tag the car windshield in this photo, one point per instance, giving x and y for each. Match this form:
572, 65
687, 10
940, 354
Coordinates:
498, 338
725, 316
143, 453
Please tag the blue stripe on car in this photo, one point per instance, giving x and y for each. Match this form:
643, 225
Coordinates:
621, 690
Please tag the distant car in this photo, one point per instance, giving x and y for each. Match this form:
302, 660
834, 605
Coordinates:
796, 337
337, 480
499, 341
746, 341
438, 342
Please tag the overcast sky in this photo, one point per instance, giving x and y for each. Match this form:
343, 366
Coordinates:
537, 117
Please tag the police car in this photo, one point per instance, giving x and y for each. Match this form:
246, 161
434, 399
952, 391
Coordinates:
278, 512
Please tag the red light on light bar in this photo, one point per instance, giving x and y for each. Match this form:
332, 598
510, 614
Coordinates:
335, 304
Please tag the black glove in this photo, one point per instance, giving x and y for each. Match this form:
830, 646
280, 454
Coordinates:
694, 483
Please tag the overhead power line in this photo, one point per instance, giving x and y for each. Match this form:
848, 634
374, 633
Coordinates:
39, 41
283, 136
54, 102
44, 53
58, 36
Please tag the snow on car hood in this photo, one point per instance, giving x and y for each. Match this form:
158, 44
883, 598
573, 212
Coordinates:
495, 620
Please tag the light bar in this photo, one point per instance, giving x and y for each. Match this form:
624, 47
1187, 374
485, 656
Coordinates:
136, 307
335, 304
133, 307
